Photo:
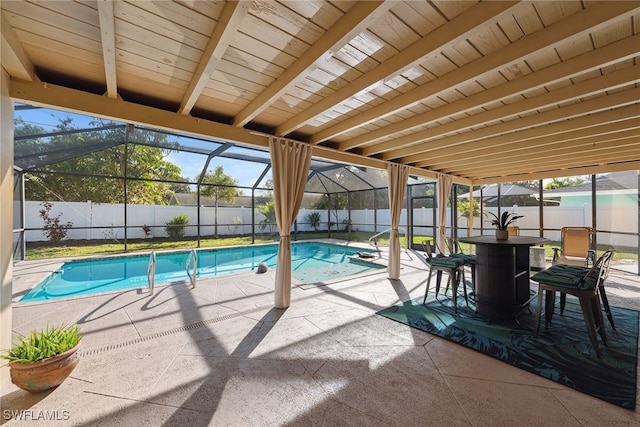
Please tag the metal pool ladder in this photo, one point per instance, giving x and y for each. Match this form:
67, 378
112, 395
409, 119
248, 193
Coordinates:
373, 240
192, 265
151, 272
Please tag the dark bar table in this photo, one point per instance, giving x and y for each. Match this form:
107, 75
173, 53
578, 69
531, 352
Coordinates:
502, 275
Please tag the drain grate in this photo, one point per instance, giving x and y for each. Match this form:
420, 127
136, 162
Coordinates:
184, 328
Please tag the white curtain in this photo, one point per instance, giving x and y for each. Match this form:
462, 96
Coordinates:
445, 183
471, 212
290, 161
398, 175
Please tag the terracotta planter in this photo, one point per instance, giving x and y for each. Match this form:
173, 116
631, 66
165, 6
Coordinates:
44, 374
502, 234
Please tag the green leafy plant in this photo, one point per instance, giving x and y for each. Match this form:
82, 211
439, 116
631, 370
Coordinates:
464, 208
504, 220
48, 342
53, 229
237, 222
175, 227
269, 211
314, 220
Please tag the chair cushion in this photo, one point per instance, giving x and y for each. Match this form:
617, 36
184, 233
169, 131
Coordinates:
567, 276
468, 259
569, 269
446, 261
589, 281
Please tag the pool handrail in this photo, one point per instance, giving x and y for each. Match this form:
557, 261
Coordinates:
375, 240
151, 272
192, 256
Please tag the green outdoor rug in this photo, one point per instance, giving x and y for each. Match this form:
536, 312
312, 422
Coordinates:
562, 353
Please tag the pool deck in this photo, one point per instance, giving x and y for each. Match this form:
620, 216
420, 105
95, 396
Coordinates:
219, 354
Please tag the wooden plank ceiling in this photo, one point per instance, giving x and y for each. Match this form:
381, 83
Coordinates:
485, 91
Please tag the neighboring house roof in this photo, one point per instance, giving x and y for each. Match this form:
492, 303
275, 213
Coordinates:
616, 181
506, 190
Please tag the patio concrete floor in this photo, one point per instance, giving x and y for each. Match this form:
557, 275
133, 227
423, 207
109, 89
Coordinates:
219, 354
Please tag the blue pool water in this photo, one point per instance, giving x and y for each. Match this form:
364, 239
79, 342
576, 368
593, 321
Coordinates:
311, 262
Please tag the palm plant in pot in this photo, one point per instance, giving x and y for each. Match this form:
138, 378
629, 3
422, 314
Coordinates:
502, 223
43, 359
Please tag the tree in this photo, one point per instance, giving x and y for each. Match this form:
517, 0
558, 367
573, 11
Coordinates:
337, 201
219, 185
182, 187
363, 199
563, 182
464, 208
147, 163
73, 165
269, 212
334, 203
268, 190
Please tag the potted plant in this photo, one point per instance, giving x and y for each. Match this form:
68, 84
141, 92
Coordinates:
43, 359
502, 222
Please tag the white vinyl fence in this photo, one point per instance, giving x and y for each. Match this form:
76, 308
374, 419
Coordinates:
102, 221
105, 221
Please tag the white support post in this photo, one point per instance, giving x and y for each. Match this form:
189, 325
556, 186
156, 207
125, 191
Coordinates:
6, 218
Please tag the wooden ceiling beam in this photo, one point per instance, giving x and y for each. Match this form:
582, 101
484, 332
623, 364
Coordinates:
626, 154
557, 120
595, 125
570, 28
624, 148
536, 154
108, 38
14, 59
557, 173
342, 32
592, 134
583, 89
608, 55
225, 30
457, 29
164, 44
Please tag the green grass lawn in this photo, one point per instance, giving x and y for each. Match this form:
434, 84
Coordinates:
77, 248
42, 250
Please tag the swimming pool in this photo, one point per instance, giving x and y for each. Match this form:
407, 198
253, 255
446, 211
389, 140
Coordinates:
311, 262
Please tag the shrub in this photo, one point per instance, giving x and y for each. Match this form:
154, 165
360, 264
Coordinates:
237, 222
175, 227
314, 220
53, 229
269, 212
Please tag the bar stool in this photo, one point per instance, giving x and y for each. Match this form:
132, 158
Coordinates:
453, 266
469, 260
